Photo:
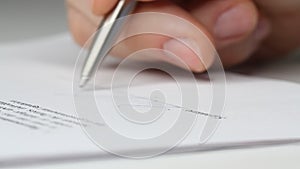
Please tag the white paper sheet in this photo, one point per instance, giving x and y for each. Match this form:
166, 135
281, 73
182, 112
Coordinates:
38, 119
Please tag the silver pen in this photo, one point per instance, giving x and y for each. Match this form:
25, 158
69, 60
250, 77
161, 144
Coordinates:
104, 38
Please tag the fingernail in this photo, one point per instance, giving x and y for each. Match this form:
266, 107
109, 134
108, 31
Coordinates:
262, 30
183, 52
233, 22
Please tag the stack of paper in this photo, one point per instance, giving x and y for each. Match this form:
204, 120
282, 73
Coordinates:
38, 122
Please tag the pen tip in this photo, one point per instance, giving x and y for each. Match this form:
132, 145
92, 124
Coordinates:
83, 82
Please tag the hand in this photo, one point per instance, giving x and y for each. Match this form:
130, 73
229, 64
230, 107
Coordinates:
240, 29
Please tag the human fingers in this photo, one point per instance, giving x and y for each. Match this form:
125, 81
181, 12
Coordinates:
83, 25
234, 26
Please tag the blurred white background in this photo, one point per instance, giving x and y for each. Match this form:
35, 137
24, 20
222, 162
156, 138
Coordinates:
20, 20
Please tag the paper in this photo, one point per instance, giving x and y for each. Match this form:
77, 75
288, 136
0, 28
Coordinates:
38, 120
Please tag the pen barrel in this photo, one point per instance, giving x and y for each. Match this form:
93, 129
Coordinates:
105, 37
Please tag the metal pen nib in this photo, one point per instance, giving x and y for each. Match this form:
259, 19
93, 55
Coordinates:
83, 81
104, 38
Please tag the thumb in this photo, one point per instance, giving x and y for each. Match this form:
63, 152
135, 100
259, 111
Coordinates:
229, 21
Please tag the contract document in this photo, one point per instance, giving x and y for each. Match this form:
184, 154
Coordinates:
38, 119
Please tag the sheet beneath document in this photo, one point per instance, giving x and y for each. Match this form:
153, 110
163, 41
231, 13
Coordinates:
38, 119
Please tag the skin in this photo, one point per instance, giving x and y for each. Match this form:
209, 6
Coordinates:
241, 30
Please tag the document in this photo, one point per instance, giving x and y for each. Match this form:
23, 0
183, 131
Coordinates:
39, 123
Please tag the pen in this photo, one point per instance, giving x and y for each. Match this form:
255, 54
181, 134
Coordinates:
104, 38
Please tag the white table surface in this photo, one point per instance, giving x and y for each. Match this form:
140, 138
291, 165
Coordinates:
21, 20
